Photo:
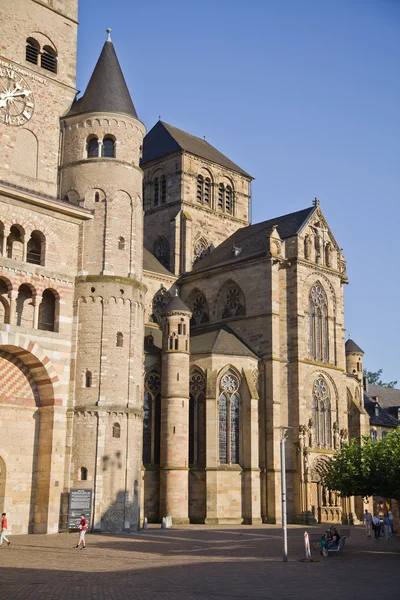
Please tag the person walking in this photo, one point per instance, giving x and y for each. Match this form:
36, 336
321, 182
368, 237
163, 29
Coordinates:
386, 526
368, 522
83, 525
4, 527
390, 515
376, 524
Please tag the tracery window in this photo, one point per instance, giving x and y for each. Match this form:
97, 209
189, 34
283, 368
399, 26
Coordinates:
229, 419
160, 300
322, 414
199, 308
161, 251
152, 419
201, 248
232, 302
197, 388
318, 315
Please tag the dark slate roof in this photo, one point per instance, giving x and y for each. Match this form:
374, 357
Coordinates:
219, 340
351, 346
388, 397
165, 139
151, 263
388, 400
253, 240
107, 90
176, 303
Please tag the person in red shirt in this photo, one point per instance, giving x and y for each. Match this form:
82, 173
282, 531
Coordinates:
4, 526
83, 525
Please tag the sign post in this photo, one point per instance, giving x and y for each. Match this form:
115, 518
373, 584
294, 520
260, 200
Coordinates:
80, 501
284, 431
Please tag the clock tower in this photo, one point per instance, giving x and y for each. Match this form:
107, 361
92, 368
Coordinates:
37, 87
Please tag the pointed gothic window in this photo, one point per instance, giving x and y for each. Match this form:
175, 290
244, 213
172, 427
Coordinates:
197, 388
201, 248
152, 419
156, 190
229, 419
232, 302
161, 251
199, 308
318, 323
322, 414
163, 189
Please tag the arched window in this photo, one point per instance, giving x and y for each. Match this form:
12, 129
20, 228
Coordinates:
322, 414
318, 315
25, 306
163, 189
199, 308
36, 249
156, 191
207, 191
47, 311
83, 474
116, 430
152, 419
88, 379
160, 300
97, 197
229, 419
221, 197
373, 435
4, 303
201, 248
48, 59
2, 233
229, 200
231, 302
120, 340
199, 192
32, 50
161, 251
197, 386
121, 243
15, 243
92, 147
108, 149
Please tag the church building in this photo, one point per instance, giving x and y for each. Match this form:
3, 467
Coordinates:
153, 341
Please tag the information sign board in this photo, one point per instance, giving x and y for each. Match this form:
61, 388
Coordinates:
80, 501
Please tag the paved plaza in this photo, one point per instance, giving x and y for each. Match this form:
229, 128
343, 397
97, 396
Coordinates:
196, 563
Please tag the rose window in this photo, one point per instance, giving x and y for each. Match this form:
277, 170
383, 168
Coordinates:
229, 383
232, 298
153, 383
196, 383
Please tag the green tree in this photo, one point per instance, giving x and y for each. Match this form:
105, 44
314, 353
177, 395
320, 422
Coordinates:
367, 468
374, 378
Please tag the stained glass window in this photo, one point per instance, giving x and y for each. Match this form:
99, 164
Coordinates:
229, 419
151, 419
322, 414
318, 325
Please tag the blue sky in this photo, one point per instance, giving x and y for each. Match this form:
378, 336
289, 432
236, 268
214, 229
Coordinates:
305, 96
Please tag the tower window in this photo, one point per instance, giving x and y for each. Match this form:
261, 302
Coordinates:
116, 431
221, 196
32, 51
120, 339
83, 474
199, 194
88, 379
93, 147
121, 243
163, 189
207, 191
47, 311
108, 148
97, 197
156, 191
48, 59
229, 200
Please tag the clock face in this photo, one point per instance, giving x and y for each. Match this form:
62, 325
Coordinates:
16, 99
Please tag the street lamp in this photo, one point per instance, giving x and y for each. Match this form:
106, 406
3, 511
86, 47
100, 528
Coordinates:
284, 432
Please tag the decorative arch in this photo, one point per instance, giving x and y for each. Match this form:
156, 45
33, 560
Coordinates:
231, 301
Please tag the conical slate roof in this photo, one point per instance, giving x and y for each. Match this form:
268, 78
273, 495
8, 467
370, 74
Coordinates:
107, 90
351, 346
176, 304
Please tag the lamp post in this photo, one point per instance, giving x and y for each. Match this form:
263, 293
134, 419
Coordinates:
284, 431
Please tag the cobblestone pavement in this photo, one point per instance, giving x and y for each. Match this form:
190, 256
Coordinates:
196, 563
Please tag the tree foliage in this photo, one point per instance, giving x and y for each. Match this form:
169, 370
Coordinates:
367, 468
374, 378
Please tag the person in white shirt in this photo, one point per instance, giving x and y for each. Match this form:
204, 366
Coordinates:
376, 525
368, 522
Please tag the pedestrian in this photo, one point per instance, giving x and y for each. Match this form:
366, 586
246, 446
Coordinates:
376, 525
368, 522
83, 525
4, 527
386, 526
390, 515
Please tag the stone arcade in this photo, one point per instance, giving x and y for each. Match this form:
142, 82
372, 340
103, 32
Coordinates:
152, 340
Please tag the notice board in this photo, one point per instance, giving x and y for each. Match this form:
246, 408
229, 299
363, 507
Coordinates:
80, 501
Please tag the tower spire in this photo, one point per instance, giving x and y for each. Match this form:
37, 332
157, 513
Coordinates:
108, 30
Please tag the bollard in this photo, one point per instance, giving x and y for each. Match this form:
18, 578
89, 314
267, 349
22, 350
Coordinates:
307, 546
163, 523
145, 524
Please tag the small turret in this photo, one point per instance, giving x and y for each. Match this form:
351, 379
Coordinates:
174, 467
354, 356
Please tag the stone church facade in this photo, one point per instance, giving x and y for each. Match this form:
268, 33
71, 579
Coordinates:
152, 340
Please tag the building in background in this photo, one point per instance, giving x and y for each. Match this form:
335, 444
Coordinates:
152, 339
